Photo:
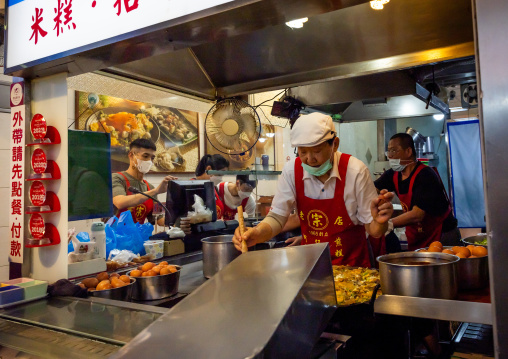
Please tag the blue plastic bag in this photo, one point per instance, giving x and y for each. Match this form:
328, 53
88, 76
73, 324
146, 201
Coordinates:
123, 233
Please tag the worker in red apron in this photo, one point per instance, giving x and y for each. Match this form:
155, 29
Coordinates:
334, 194
141, 154
232, 195
428, 215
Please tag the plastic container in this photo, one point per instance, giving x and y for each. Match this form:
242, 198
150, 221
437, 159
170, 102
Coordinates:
99, 237
10, 294
154, 248
32, 288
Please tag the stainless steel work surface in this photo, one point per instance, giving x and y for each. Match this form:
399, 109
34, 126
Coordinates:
106, 320
263, 303
441, 309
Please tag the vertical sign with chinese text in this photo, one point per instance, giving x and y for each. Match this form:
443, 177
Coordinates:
16, 202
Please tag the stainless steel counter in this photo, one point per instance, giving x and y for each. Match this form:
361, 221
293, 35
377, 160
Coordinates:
451, 310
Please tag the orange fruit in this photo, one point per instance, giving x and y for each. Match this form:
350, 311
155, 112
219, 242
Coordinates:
462, 250
471, 256
172, 269
125, 278
449, 251
157, 269
114, 275
163, 263
435, 249
117, 283
135, 273
470, 247
436, 244
144, 274
461, 254
164, 271
480, 251
147, 266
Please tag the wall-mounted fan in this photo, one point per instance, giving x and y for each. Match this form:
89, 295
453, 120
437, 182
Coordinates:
469, 95
232, 126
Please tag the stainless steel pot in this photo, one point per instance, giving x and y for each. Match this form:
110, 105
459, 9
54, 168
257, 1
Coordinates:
416, 274
156, 287
475, 239
123, 293
218, 251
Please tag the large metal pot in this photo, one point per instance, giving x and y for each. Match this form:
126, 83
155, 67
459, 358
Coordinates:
416, 274
122, 293
218, 251
156, 287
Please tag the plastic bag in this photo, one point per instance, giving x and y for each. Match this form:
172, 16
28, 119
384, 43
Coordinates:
123, 256
125, 234
81, 236
201, 214
175, 232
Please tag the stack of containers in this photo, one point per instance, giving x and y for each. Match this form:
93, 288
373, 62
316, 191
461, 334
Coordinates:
21, 289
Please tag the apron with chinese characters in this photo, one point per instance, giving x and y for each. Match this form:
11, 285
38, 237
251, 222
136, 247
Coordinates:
228, 214
420, 234
327, 220
141, 211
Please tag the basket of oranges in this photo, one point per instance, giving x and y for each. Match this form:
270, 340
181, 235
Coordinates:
473, 267
155, 280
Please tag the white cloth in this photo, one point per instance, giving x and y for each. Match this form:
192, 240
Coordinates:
311, 130
235, 201
358, 193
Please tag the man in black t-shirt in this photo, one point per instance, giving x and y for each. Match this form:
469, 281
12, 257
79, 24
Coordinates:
428, 215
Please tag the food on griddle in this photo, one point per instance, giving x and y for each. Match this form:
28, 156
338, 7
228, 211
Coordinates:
124, 127
355, 285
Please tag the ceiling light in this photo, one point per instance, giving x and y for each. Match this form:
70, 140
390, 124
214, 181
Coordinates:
270, 134
378, 4
438, 116
298, 23
262, 139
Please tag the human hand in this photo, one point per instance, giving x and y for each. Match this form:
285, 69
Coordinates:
294, 241
163, 186
185, 225
381, 207
249, 237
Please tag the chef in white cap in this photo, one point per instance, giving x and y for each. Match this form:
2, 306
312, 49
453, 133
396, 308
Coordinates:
335, 196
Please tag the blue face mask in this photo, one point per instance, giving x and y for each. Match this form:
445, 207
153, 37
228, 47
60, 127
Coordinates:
318, 171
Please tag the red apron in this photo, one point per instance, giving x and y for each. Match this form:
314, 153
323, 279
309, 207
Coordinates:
141, 211
228, 213
327, 220
420, 234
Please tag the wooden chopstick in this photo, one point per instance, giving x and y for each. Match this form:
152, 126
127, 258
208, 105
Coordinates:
241, 225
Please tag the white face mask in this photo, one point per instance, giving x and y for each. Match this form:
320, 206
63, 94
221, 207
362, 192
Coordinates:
144, 166
216, 179
243, 194
396, 166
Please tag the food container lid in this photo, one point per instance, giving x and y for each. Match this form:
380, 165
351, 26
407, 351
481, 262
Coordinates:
98, 226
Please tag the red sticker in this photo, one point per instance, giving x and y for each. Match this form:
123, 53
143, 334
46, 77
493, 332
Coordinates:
37, 193
39, 161
38, 126
37, 226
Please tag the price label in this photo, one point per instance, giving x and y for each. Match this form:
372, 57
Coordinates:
39, 161
38, 126
37, 226
37, 193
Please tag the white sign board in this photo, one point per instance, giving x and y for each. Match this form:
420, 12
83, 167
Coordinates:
16, 189
41, 29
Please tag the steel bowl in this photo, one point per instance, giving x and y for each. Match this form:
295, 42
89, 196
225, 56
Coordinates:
475, 239
123, 293
156, 287
417, 274
473, 273
218, 252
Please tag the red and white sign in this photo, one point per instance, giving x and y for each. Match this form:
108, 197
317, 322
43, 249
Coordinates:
39, 29
17, 155
39, 161
38, 126
37, 193
37, 226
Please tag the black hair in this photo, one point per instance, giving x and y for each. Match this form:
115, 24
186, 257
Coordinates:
245, 179
406, 141
142, 143
216, 162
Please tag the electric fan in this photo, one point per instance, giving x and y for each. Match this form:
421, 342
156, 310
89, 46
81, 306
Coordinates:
232, 126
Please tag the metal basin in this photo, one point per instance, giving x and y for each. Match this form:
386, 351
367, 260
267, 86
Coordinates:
123, 293
218, 251
475, 239
473, 273
416, 274
156, 287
